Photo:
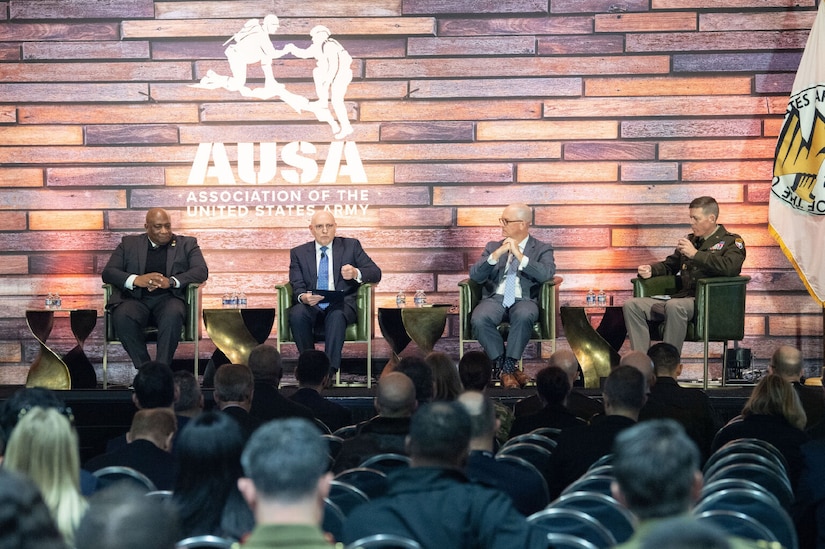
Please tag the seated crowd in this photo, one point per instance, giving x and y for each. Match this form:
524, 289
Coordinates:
268, 470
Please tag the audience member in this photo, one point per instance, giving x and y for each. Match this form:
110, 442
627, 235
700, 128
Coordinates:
285, 482
312, 373
385, 433
552, 386
149, 274
528, 495
433, 502
44, 446
786, 362
234, 388
26, 398
190, 397
148, 448
209, 465
642, 362
667, 399
774, 414
421, 375
475, 372
328, 262
578, 448
577, 402
684, 532
268, 402
121, 517
446, 383
511, 272
25, 520
657, 477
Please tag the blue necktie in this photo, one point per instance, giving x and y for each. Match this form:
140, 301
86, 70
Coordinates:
510, 282
323, 274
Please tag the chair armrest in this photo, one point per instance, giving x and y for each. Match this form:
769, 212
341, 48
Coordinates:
720, 307
469, 294
549, 307
284, 303
192, 297
364, 310
655, 285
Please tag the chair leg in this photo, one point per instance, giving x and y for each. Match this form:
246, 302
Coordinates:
105, 363
706, 368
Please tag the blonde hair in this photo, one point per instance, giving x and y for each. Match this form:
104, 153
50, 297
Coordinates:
776, 397
44, 446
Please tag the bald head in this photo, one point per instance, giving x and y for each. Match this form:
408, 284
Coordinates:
565, 360
158, 226
482, 418
395, 396
786, 362
642, 362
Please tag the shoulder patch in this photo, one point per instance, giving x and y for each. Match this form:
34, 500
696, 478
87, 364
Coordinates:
739, 243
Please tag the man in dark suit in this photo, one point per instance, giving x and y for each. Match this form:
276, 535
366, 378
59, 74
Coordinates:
511, 272
667, 399
786, 362
326, 263
267, 401
553, 388
312, 373
234, 387
150, 273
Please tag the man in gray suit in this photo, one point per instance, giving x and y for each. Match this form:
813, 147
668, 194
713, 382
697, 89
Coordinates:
149, 273
529, 263
328, 262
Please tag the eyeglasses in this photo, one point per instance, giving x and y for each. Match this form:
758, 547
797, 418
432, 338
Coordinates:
506, 222
328, 226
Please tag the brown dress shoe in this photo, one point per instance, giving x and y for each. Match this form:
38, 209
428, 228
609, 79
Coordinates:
509, 381
522, 378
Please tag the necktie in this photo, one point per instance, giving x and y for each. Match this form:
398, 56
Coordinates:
510, 282
323, 274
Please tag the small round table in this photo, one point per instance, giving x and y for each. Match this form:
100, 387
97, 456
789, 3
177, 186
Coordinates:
423, 325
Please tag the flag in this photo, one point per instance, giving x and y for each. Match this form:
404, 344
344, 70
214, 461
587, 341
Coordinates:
796, 210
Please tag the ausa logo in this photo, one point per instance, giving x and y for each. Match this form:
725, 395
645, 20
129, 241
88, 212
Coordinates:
800, 151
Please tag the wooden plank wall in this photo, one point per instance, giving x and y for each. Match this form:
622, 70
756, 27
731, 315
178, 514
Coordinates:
607, 116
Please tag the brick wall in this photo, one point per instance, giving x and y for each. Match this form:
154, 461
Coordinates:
607, 116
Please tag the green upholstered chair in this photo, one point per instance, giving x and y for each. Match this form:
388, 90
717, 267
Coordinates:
719, 315
190, 332
544, 330
359, 332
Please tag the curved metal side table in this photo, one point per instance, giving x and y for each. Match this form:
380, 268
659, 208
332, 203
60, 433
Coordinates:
423, 325
597, 349
235, 332
73, 370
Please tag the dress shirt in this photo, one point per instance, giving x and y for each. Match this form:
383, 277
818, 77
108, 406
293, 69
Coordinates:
524, 261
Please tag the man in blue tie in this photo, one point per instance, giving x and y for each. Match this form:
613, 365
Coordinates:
326, 263
511, 272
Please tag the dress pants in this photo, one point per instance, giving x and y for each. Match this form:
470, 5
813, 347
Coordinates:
675, 312
132, 316
489, 313
302, 321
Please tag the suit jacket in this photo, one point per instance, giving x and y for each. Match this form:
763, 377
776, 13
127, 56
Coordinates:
540, 268
332, 414
303, 270
528, 495
268, 403
184, 261
555, 416
143, 456
578, 403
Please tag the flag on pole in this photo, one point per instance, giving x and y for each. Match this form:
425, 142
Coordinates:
796, 210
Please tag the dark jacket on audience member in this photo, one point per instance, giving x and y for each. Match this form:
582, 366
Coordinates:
579, 403
268, 403
143, 456
528, 495
555, 416
332, 414
379, 435
246, 420
813, 402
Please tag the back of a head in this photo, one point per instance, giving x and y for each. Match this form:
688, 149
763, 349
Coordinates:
666, 359
312, 368
208, 451
395, 395
421, 375
774, 396
482, 414
567, 361
475, 370
626, 389
656, 466
285, 458
552, 385
121, 517
26, 398
154, 385
439, 434
190, 397
265, 364
25, 520
640, 361
786, 362
446, 383
233, 383
155, 424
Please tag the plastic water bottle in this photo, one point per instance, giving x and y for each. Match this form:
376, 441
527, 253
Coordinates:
241, 300
420, 298
227, 300
58, 302
602, 298
401, 299
50, 301
233, 300
591, 297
